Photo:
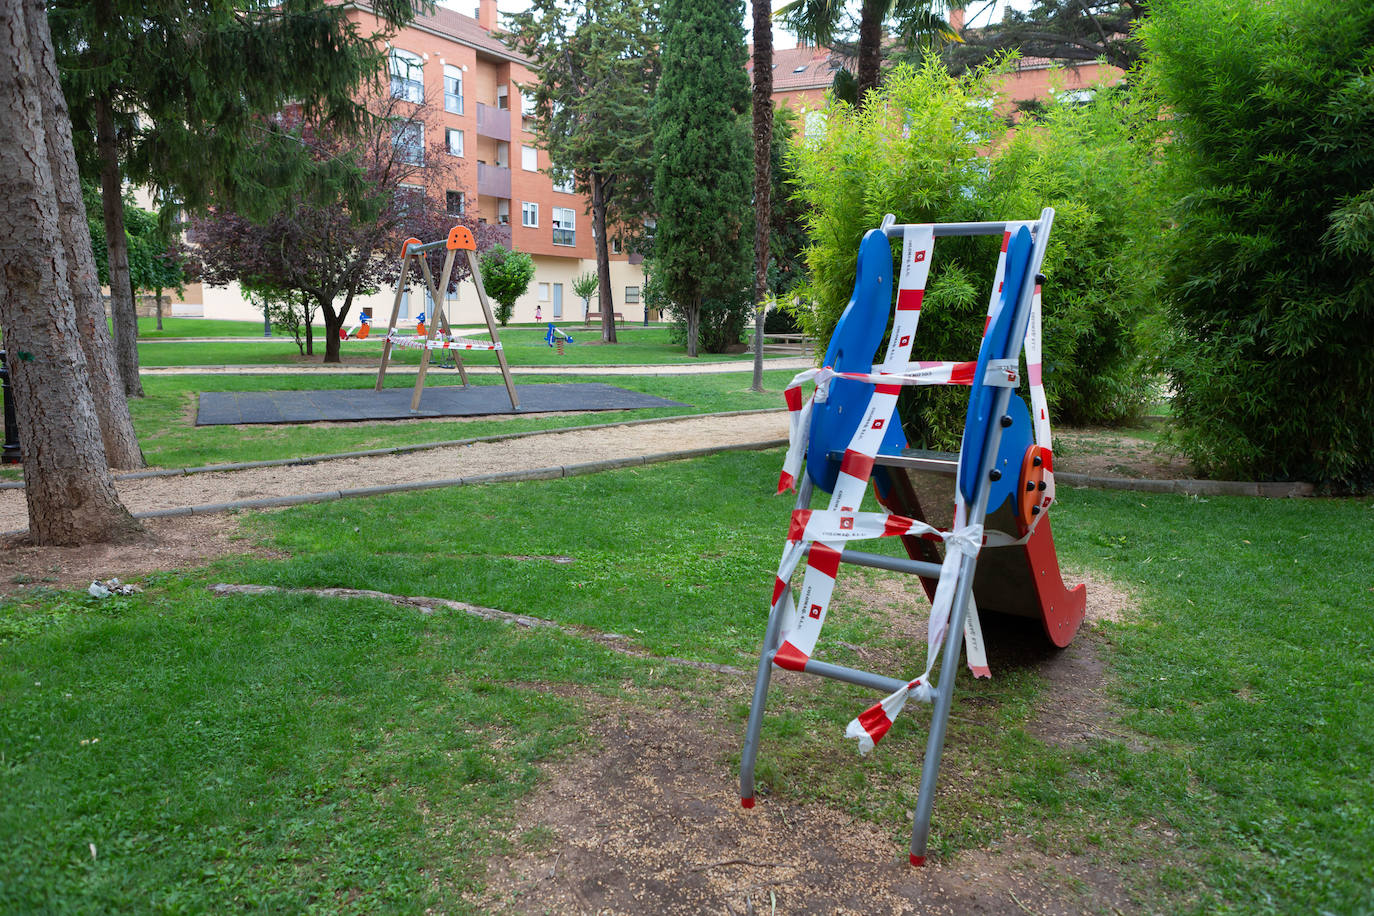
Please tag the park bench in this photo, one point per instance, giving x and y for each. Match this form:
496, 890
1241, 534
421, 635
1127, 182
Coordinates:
596, 317
790, 343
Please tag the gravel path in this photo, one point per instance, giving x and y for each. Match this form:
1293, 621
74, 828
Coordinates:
538, 450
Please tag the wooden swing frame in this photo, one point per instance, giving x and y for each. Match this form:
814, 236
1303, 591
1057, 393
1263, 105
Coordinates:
459, 239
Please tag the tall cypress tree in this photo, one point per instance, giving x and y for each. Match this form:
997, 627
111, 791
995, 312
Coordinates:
703, 169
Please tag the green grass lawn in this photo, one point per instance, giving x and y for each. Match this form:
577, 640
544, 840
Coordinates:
524, 346
288, 754
197, 327
165, 418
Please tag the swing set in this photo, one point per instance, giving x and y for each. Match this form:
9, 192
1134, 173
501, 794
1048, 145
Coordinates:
436, 334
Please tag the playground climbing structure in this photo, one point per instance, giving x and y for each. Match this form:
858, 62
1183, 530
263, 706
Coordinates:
436, 334
998, 552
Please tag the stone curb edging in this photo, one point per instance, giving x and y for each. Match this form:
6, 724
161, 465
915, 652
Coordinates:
1268, 490
546, 473
407, 449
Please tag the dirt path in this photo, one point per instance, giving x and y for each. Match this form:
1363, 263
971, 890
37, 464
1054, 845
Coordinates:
539, 450
179, 542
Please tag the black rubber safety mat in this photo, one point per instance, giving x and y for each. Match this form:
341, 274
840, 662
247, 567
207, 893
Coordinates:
219, 408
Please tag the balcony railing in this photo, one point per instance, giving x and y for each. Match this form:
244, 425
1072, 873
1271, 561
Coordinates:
493, 122
492, 180
565, 236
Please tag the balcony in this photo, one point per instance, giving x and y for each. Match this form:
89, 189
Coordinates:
493, 122
492, 180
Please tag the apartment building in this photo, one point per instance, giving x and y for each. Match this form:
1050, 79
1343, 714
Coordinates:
470, 82
802, 76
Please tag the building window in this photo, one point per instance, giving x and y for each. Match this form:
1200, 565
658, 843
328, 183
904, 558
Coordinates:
564, 226
502, 155
564, 186
409, 141
631, 295
455, 141
453, 90
529, 158
409, 198
543, 292
503, 211
503, 98
527, 112
455, 202
615, 246
529, 214
407, 76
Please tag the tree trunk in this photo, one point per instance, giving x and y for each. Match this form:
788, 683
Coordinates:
693, 311
68, 488
763, 170
117, 245
870, 46
333, 323
603, 259
158, 303
111, 406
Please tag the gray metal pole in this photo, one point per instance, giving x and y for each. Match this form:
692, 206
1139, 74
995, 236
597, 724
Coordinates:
771, 637
949, 665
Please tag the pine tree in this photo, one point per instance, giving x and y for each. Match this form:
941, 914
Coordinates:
69, 490
179, 99
107, 388
703, 169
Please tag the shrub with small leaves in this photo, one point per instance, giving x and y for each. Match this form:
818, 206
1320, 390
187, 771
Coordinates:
1269, 309
506, 275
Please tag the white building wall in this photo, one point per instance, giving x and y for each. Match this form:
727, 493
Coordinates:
229, 303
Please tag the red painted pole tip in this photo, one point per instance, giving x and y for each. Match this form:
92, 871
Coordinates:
918, 861
747, 802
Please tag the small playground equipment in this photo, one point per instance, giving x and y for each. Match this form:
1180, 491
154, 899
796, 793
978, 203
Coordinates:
437, 335
360, 330
998, 550
556, 338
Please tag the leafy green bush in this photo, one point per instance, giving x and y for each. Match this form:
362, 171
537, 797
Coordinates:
506, 275
912, 151
1270, 278
1095, 164
924, 149
781, 321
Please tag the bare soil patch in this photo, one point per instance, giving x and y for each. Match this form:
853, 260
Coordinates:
1117, 453
167, 543
652, 824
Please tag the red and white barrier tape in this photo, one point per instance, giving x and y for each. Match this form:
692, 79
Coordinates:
440, 343
828, 530
801, 630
